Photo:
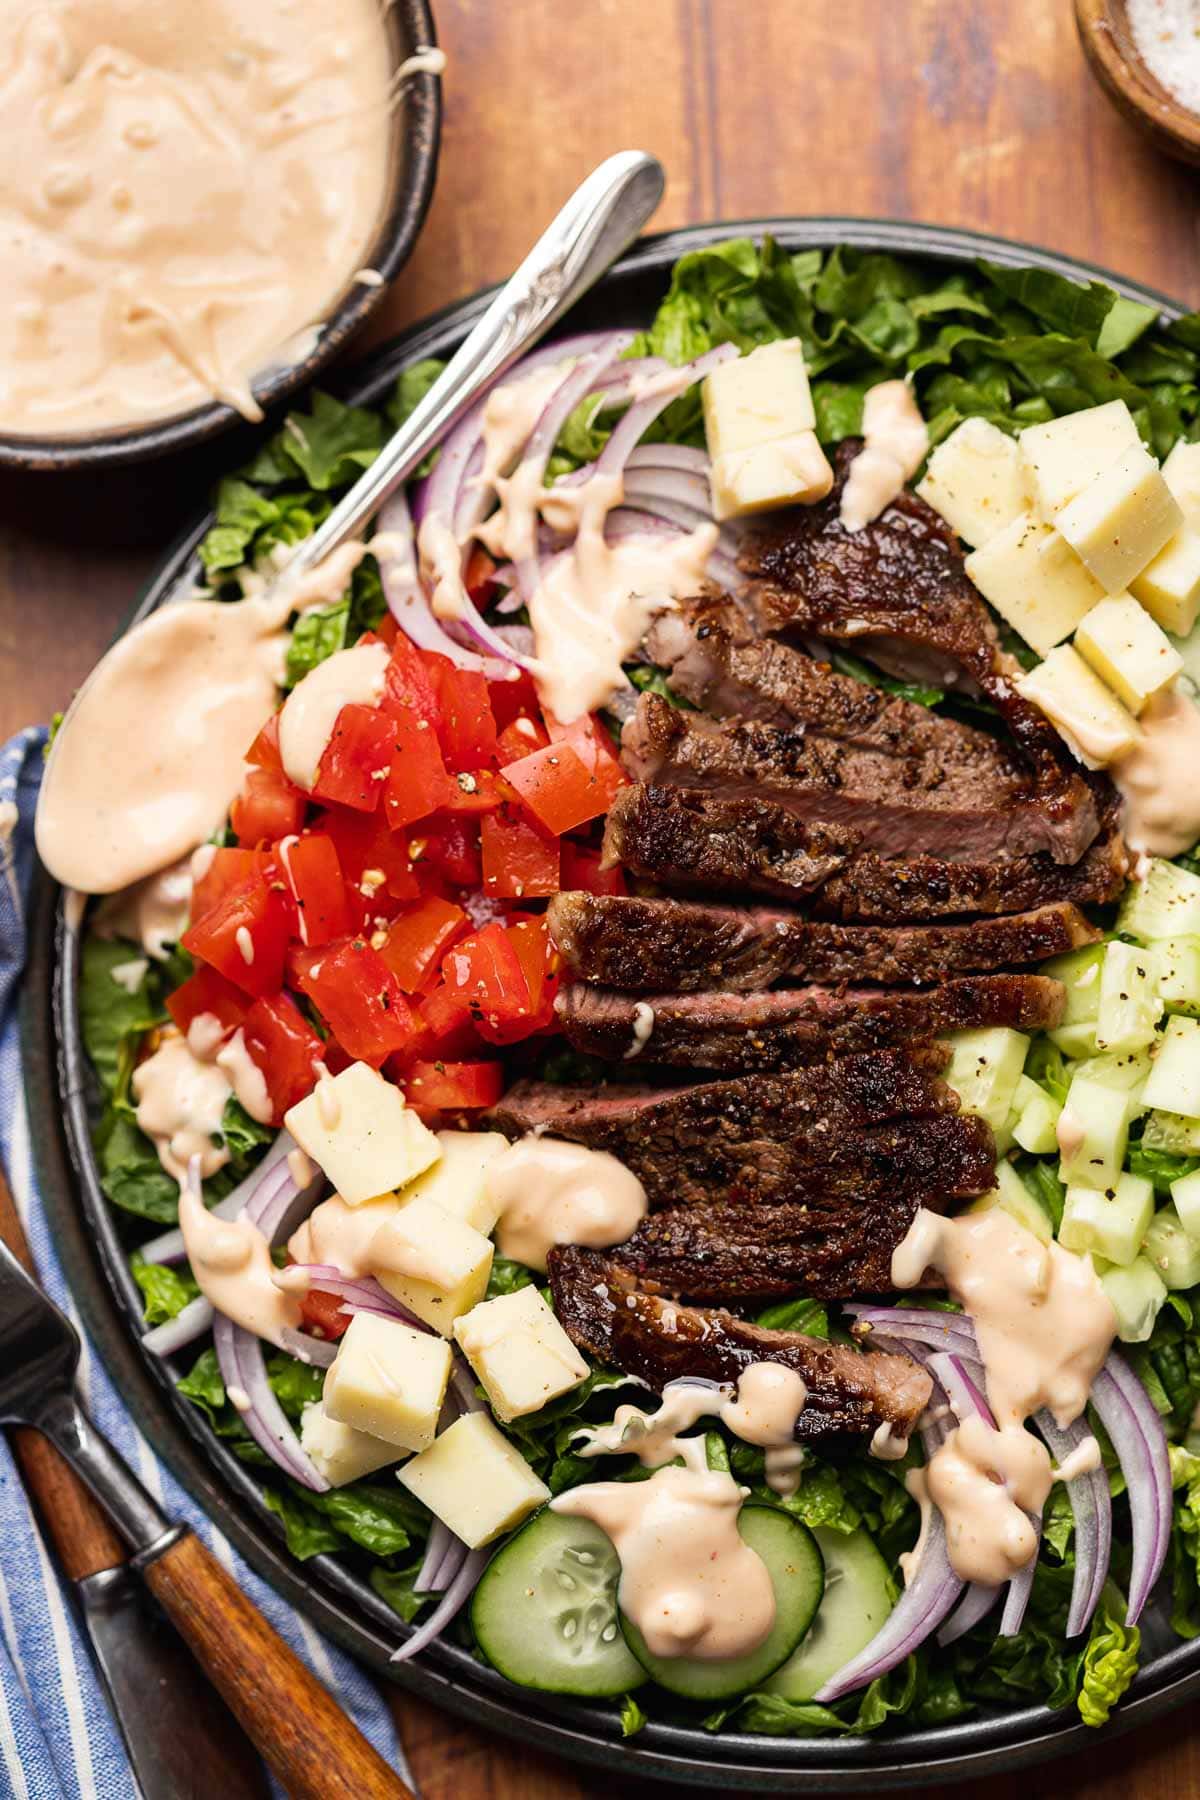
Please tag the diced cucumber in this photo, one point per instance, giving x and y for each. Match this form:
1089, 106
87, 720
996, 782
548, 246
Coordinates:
985, 1067
1126, 1071
1093, 1133
1171, 1132
856, 1602
1079, 972
1130, 1007
1112, 1222
1164, 904
1011, 1195
798, 1577
1185, 1194
1179, 974
1136, 1294
1172, 1249
1173, 1084
1076, 1040
545, 1612
1037, 1120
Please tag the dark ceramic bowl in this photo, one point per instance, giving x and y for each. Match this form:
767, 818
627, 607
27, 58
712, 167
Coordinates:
412, 167
326, 1589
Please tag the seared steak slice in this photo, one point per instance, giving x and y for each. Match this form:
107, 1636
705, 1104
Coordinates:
962, 810
899, 592
685, 946
790, 1027
699, 842
641, 1334
761, 1138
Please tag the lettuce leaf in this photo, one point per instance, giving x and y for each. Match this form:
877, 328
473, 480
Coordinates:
165, 1292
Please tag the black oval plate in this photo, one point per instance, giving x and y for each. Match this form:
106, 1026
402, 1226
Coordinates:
334, 1599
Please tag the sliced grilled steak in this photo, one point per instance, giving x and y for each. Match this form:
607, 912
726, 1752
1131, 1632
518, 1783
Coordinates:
640, 1334
764, 1137
899, 592
649, 946
963, 810
788, 1028
699, 842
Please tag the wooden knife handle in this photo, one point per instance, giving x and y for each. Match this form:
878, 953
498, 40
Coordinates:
316, 1751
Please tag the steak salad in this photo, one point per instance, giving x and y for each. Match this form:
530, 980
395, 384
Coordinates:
650, 1066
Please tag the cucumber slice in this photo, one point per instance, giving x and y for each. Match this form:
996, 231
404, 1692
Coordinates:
545, 1612
797, 1575
857, 1600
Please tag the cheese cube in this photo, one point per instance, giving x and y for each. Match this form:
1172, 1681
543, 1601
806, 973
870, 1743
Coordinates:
1169, 585
1127, 650
1121, 520
357, 1127
520, 1352
435, 1264
1059, 459
474, 1481
1096, 727
340, 1453
975, 481
791, 471
1181, 472
758, 398
1035, 581
456, 1180
388, 1380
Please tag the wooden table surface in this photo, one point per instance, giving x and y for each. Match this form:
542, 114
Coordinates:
979, 114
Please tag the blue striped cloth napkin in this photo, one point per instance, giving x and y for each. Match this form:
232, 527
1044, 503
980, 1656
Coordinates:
57, 1737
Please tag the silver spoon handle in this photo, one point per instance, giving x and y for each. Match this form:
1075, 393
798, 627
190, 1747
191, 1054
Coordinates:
599, 221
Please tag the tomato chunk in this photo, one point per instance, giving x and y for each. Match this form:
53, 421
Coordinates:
557, 788
416, 941
453, 1086
468, 728
225, 869
355, 761
268, 807
485, 974
581, 869
286, 1048
264, 752
594, 748
323, 1314
372, 860
520, 859
245, 935
417, 783
360, 1000
207, 992
449, 845
314, 874
410, 685
448, 1027
539, 960
520, 736
513, 699
475, 791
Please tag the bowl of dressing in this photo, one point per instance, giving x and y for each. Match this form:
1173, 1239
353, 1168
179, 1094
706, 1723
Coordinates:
200, 202
1145, 54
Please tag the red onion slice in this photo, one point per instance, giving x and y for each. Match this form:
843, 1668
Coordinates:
408, 602
975, 1605
176, 1334
1127, 1414
240, 1358
169, 1246
1091, 1503
317, 1352
642, 414
452, 1602
670, 456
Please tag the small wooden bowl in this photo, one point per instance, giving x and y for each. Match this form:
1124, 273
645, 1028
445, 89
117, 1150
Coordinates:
1107, 40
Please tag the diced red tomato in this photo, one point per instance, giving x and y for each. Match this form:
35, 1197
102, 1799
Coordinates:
264, 751
520, 860
449, 846
539, 960
245, 935
227, 869
595, 750
416, 941
207, 992
355, 761
477, 576
417, 783
267, 808
366, 851
581, 869
475, 791
521, 735
467, 729
513, 699
449, 1030
556, 787
312, 870
286, 1049
410, 685
447, 1087
360, 1000
484, 972
322, 1314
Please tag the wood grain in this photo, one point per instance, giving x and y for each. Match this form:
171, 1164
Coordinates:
980, 114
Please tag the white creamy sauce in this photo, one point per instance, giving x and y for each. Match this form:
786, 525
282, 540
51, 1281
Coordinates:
551, 1192
643, 1027
180, 1105
895, 442
183, 188
1081, 1461
424, 61
1158, 778
231, 1261
886, 1444
1044, 1326
205, 1035
510, 413
152, 913
689, 1582
245, 1078
352, 677
440, 555
340, 1235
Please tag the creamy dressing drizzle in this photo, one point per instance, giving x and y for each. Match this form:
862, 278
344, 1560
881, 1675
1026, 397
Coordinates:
180, 1106
231, 1261
895, 445
643, 1027
549, 1192
352, 677
246, 1079
1157, 779
153, 912
1044, 1326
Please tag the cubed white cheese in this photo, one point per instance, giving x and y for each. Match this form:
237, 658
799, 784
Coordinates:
1169, 585
520, 1352
1121, 520
1181, 472
357, 1127
975, 481
388, 1380
456, 1180
432, 1262
758, 398
340, 1453
1091, 719
1060, 458
1127, 650
792, 471
474, 1481
1035, 581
